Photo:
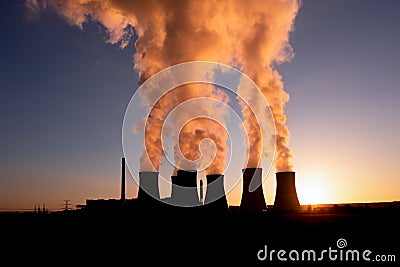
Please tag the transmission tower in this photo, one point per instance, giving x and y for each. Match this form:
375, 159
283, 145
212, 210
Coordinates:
66, 204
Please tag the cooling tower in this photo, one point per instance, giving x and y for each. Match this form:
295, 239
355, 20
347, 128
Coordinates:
286, 195
148, 186
215, 195
184, 188
252, 198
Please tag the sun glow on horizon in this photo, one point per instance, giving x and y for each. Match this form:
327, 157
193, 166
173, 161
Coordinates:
311, 189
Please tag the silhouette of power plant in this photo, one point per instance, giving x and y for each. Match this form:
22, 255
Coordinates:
286, 195
184, 193
252, 200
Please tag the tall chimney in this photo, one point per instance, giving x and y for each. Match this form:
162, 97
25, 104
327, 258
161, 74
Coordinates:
215, 194
174, 188
184, 188
123, 181
252, 198
286, 195
201, 191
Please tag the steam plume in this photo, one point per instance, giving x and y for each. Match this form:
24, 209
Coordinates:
251, 35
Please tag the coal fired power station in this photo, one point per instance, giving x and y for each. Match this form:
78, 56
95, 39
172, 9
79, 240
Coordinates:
184, 192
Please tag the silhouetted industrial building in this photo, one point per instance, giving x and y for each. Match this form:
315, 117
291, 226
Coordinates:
215, 199
184, 188
252, 195
184, 192
148, 189
148, 193
286, 196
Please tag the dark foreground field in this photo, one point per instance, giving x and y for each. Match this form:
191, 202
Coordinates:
193, 239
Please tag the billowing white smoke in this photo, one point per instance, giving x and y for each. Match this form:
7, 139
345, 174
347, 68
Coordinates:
250, 35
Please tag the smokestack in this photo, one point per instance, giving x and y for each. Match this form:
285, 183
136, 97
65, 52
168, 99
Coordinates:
184, 188
286, 195
174, 189
252, 201
123, 181
148, 186
201, 190
215, 194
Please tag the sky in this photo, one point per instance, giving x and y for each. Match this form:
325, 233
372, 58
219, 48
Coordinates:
64, 92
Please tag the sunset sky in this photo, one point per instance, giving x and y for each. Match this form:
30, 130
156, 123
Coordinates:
64, 92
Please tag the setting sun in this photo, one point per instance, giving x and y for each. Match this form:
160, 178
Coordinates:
312, 190
312, 195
